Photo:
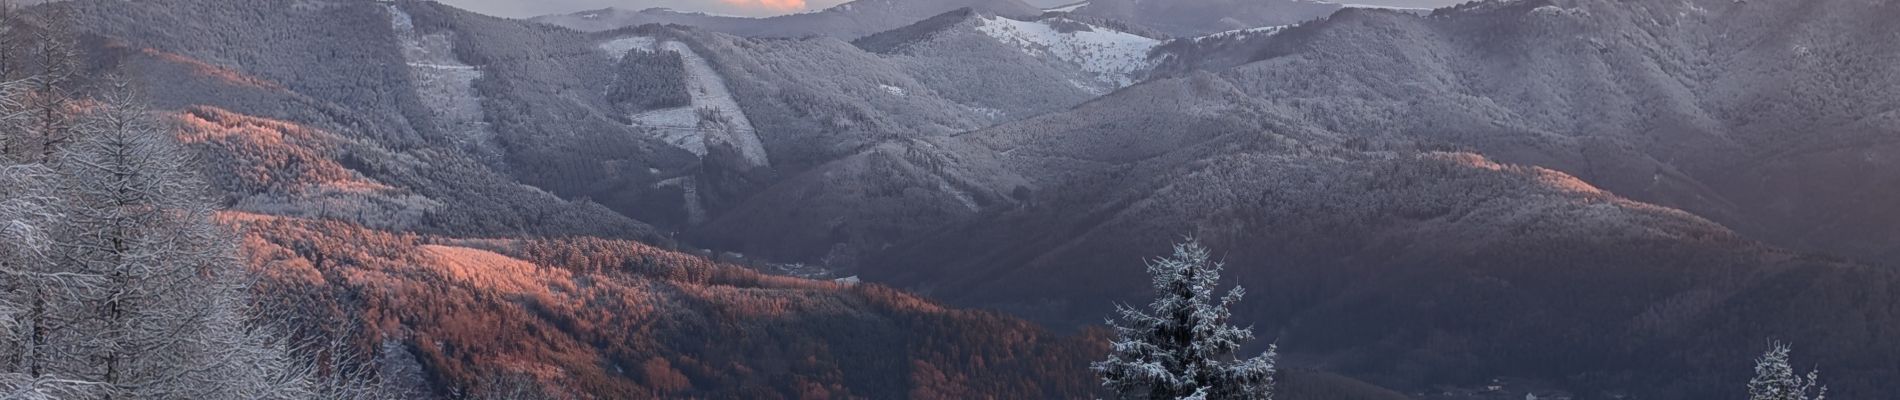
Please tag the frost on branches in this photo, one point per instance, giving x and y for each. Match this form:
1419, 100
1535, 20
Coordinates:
1775, 379
1181, 346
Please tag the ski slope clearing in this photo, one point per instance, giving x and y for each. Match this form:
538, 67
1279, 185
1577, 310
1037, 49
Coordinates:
714, 118
445, 84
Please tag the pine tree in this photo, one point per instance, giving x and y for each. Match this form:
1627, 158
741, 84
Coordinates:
1775, 378
1182, 346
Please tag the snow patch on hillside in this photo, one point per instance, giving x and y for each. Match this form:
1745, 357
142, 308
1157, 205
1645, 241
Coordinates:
1243, 33
898, 91
675, 126
1112, 56
619, 47
445, 84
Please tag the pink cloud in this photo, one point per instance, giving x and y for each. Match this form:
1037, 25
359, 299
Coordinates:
774, 5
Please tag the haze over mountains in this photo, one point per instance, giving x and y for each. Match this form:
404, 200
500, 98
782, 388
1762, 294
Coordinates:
1606, 198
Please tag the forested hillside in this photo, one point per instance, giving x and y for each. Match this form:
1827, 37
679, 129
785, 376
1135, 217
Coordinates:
1312, 155
601, 318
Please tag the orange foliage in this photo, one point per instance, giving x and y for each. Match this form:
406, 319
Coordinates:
598, 318
265, 155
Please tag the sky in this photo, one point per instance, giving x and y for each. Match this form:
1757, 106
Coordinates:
749, 8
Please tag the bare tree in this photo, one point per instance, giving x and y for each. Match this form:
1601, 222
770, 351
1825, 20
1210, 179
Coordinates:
33, 288
169, 318
55, 53
13, 84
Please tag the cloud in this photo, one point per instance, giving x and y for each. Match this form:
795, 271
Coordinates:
751, 8
774, 5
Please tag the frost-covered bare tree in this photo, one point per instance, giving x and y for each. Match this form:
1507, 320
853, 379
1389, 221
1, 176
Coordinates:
34, 289
1775, 378
167, 319
511, 387
50, 118
1182, 346
7, 43
13, 84
36, 292
114, 280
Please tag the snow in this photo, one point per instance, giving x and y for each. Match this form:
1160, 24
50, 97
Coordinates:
1265, 30
675, 126
893, 89
618, 48
1555, 11
445, 84
1112, 56
1067, 8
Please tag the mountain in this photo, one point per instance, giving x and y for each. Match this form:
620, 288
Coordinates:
1620, 198
438, 189
1189, 18
1625, 205
847, 21
456, 110
380, 100
1097, 56
1663, 120
827, 112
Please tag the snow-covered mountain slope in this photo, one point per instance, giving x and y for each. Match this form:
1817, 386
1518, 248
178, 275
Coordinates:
713, 118
1110, 56
1188, 18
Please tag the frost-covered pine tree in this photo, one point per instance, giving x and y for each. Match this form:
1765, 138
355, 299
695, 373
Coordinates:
1775, 378
1181, 346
